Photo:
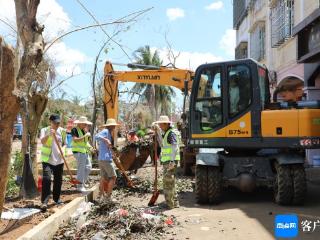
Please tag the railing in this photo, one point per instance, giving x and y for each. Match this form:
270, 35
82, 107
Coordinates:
282, 20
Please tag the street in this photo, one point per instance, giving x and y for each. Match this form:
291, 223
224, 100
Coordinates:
239, 216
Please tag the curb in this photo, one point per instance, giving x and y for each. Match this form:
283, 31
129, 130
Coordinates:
47, 228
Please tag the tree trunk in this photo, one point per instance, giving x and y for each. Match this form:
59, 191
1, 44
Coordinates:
36, 105
9, 109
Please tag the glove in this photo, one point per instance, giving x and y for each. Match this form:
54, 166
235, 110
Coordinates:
87, 134
156, 127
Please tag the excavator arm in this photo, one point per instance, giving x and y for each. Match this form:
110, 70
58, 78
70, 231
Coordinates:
178, 78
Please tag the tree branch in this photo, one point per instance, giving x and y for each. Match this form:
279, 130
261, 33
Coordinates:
118, 21
9, 25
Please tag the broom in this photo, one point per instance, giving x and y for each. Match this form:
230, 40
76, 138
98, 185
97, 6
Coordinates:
156, 192
72, 180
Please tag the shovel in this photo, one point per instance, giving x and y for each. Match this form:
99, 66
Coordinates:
121, 169
72, 180
156, 192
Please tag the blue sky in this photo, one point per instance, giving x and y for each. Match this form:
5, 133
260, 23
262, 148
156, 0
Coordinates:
200, 30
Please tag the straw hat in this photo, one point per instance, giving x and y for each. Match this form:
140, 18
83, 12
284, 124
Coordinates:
82, 119
111, 122
163, 119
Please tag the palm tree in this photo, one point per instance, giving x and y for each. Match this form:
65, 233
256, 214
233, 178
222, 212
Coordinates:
158, 97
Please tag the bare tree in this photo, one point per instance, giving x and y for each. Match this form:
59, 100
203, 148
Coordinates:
171, 55
13, 92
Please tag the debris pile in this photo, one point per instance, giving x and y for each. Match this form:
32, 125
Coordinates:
109, 220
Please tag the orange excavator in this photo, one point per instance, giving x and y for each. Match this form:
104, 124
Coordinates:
178, 78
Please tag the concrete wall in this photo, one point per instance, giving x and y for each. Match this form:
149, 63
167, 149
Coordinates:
304, 8
242, 34
284, 55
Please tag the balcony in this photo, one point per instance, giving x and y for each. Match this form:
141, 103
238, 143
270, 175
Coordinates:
240, 11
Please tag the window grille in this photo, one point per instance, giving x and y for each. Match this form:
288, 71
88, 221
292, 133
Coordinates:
282, 20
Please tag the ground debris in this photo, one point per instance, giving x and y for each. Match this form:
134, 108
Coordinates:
109, 220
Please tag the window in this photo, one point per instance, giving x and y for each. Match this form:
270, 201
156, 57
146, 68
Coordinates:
239, 89
262, 85
209, 102
257, 42
282, 16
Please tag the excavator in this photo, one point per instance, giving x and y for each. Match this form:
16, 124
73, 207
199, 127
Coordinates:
244, 139
166, 76
262, 143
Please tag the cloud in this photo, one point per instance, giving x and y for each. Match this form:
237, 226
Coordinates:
174, 13
215, 6
66, 59
228, 42
56, 22
188, 60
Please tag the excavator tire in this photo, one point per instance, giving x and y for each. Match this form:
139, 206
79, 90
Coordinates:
201, 184
214, 185
283, 185
299, 184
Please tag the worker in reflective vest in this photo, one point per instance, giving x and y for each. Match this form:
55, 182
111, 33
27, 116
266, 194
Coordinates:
80, 149
169, 158
52, 161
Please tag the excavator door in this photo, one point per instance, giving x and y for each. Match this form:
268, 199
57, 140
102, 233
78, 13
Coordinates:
226, 103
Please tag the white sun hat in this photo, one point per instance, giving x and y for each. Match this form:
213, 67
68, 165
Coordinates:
163, 119
82, 119
111, 122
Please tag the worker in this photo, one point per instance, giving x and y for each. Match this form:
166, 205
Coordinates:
234, 95
169, 158
132, 137
80, 144
107, 169
52, 161
90, 149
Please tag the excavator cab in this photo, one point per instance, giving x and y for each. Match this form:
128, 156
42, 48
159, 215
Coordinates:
226, 102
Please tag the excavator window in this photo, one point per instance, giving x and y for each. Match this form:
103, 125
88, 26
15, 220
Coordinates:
239, 89
209, 101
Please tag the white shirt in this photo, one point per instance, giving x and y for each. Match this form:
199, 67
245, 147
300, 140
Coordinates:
55, 157
234, 99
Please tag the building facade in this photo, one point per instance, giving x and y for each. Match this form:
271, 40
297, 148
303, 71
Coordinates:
285, 36
267, 31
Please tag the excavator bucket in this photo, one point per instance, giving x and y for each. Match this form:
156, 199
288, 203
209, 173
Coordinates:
134, 155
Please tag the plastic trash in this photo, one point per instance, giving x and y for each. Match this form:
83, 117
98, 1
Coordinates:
120, 212
82, 213
99, 236
83, 208
169, 221
151, 217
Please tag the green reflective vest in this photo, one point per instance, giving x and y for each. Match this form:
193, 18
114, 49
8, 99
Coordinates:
167, 149
80, 146
46, 148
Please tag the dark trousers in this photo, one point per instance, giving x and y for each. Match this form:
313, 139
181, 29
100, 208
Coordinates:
57, 172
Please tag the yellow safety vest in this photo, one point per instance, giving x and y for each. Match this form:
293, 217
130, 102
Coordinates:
167, 149
80, 146
46, 148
